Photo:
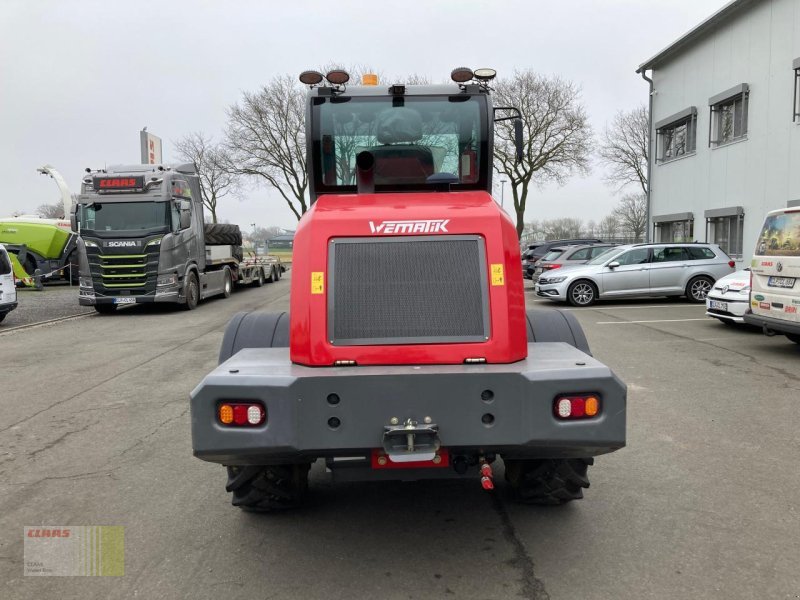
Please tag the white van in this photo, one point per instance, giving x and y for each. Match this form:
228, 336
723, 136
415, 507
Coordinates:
8, 290
775, 275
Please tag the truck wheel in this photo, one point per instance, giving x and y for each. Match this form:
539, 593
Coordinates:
556, 326
227, 284
192, 291
271, 277
105, 309
582, 293
698, 287
548, 481
793, 338
260, 279
254, 330
267, 488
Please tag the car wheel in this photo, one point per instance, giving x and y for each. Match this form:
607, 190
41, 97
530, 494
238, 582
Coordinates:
582, 293
793, 338
698, 287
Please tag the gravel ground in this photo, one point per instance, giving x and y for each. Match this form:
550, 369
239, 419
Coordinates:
56, 300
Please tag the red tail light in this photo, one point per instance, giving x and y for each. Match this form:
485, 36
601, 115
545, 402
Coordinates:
577, 407
731, 264
555, 266
241, 414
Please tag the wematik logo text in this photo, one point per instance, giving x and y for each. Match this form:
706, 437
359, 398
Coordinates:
429, 226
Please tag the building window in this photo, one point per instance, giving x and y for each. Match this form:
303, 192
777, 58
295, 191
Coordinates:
677, 135
725, 227
674, 231
728, 121
796, 103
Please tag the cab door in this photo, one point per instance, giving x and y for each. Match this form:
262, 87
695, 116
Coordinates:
632, 275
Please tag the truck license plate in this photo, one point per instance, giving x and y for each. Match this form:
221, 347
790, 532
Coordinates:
124, 300
718, 305
781, 282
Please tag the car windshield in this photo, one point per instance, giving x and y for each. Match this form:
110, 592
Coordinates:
411, 138
138, 217
610, 253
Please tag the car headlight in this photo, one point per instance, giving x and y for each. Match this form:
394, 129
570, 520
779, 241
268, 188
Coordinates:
89, 244
745, 290
154, 242
552, 280
170, 279
85, 282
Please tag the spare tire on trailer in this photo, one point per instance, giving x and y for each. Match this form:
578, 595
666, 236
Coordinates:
222, 234
254, 330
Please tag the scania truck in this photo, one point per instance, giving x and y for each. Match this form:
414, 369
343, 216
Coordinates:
142, 239
408, 353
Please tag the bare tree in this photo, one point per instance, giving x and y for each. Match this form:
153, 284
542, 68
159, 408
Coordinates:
557, 134
609, 227
51, 211
266, 139
217, 178
631, 214
563, 228
624, 149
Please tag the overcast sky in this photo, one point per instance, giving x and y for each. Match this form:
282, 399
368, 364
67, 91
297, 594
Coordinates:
80, 78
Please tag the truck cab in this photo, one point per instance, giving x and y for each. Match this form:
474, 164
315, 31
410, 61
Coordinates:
141, 238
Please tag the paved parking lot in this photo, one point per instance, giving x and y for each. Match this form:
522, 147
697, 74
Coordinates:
701, 504
55, 301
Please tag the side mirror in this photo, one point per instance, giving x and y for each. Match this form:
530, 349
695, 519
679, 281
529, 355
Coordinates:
185, 205
613, 264
518, 141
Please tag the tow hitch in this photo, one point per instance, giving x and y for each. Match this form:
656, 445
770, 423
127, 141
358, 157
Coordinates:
411, 442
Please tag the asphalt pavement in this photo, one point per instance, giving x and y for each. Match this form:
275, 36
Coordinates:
55, 301
701, 504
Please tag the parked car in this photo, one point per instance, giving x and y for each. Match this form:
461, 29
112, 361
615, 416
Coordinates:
569, 256
537, 250
8, 289
730, 298
639, 270
775, 293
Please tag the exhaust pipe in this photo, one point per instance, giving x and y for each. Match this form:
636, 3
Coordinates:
365, 173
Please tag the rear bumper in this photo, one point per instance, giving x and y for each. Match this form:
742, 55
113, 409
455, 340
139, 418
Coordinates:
771, 324
298, 408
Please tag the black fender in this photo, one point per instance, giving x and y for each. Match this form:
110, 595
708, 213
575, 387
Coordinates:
556, 326
254, 330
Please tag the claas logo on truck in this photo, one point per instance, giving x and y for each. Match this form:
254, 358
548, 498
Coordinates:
429, 226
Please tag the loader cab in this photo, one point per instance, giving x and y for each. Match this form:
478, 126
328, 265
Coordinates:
378, 139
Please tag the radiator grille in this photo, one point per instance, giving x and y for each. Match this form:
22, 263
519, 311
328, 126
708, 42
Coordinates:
404, 290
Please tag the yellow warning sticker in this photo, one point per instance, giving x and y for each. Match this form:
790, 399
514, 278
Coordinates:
317, 282
497, 275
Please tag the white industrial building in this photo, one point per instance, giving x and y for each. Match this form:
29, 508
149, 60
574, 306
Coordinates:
725, 126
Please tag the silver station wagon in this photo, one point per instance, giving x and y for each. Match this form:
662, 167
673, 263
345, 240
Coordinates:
639, 270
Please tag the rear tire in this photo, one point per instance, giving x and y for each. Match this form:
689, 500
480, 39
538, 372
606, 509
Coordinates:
556, 326
793, 338
106, 309
548, 481
268, 488
260, 279
271, 277
192, 291
698, 287
582, 293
